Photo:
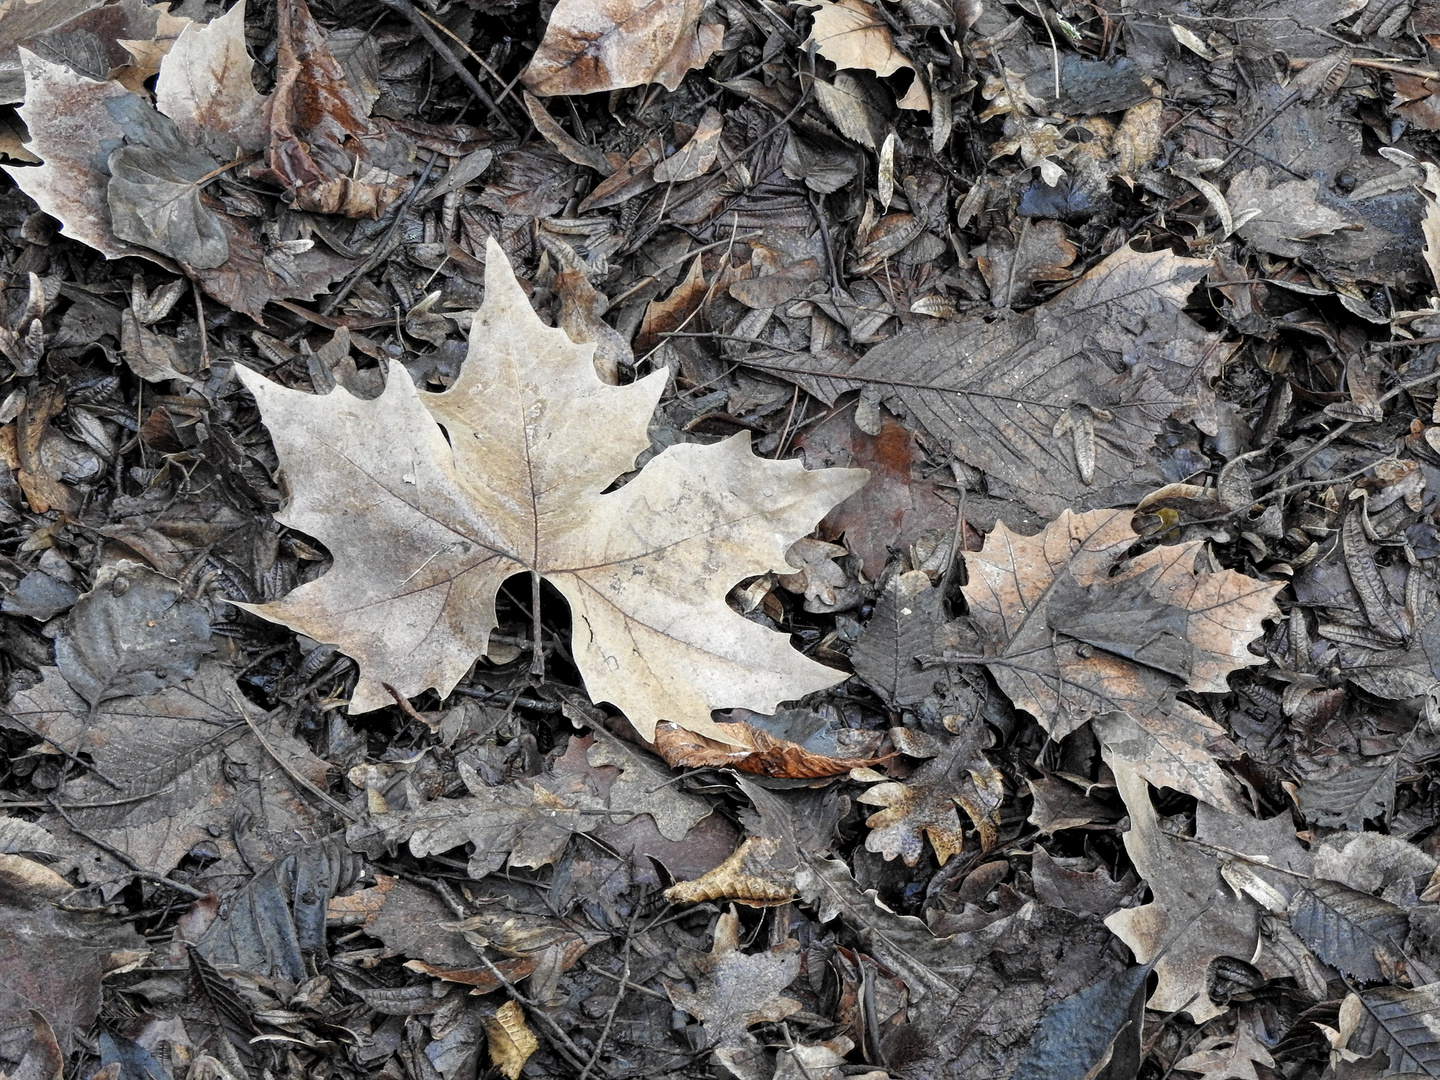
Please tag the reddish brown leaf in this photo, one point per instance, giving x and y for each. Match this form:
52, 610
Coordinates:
675, 311
895, 506
751, 750
322, 140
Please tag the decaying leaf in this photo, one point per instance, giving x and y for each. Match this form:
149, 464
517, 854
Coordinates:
133, 633
902, 627
735, 991
1229, 1057
534, 439
1094, 1033
1350, 930
172, 765
931, 966
1073, 632
54, 960
1116, 341
1011, 265
1402, 1024
1195, 916
897, 506
117, 173
589, 48
752, 749
323, 146
761, 871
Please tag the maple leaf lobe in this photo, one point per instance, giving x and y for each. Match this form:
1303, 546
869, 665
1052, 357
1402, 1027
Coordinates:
424, 530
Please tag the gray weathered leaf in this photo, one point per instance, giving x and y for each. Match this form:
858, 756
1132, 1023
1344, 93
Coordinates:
1348, 929
1351, 790
173, 768
156, 201
1117, 342
902, 628
1405, 1024
132, 633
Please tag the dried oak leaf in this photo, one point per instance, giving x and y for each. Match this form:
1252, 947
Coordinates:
853, 34
1116, 343
736, 990
1195, 915
924, 805
592, 47
424, 530
525, 823
1074, 632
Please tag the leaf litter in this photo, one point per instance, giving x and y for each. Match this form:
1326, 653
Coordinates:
849, 538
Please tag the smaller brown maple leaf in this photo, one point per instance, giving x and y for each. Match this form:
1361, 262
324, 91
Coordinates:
1075, 632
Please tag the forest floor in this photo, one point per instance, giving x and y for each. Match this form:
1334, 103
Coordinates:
447, 630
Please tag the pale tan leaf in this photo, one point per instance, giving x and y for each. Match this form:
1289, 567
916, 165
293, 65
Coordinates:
510, 1040
591, 47
205, 86
852, 34
535, 439
1228, 1057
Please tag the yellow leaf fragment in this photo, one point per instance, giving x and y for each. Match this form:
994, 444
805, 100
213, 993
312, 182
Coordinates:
511, 1041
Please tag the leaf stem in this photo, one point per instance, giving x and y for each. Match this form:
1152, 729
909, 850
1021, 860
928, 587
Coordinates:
537, 651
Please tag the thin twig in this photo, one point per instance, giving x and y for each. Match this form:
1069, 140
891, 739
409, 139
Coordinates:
339, 807
619, 995
124, 859
418, 20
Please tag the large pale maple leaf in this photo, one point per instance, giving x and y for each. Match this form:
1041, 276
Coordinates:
426, 524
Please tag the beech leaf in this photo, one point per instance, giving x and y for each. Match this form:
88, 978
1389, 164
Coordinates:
424, 531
